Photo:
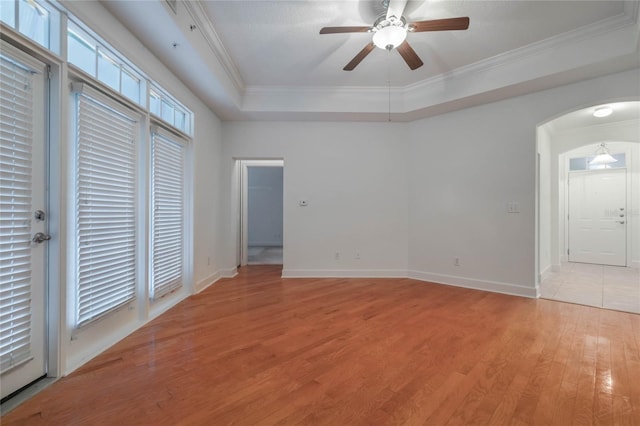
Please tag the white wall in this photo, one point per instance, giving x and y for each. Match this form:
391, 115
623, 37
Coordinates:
466, 165
354, 177
265, 195
413, 197
205, 255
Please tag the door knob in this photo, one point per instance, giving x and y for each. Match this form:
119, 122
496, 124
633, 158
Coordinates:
40, 238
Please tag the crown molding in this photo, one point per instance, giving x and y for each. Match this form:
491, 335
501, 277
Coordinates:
513, 67
585, 32
204, 24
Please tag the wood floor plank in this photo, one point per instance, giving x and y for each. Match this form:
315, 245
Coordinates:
261, 350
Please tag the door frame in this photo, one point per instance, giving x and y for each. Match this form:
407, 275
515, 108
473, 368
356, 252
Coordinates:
56, 164
567, 219
242, 166
564, 202
54, 128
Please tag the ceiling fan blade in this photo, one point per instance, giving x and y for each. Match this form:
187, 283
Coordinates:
409, 55
359, 57
396, 8
440, 25
338, 30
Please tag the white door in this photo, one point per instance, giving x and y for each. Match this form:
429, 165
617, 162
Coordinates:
598, 217
22, 216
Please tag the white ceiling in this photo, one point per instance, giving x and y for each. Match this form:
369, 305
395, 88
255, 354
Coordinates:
622, 111
266, 59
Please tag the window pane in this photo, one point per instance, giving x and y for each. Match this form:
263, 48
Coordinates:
154, 103
167, 112
108, 71
577, 164
81, 52
8, 12
181, 120
621, 160
130, 86
34, 22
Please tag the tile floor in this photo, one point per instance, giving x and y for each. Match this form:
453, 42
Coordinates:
264, 255
609, 287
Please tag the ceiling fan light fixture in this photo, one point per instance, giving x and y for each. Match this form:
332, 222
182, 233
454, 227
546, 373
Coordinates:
389, 37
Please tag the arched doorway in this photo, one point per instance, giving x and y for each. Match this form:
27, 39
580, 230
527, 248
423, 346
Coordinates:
566, 146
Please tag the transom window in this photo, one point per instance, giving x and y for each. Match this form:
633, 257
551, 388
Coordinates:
583, 163
100, 62
37, 20
170, 110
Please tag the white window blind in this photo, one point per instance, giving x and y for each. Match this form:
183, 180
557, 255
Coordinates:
167, 222
105, 208
16, 120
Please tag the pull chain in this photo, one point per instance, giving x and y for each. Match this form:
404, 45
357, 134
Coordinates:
389, 85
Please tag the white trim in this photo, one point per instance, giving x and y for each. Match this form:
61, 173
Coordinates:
244, 200
215, 277
201, 18
344, 273
484, 285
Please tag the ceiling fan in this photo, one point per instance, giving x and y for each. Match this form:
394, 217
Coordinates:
390, 32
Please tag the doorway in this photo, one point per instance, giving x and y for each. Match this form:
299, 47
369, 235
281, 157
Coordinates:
24, 217
597, 222
261, 228
587, 253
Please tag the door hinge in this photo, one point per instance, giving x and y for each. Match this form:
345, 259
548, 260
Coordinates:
49, 72
567, 252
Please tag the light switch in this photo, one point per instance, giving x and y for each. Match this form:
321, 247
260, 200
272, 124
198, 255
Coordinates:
513, 207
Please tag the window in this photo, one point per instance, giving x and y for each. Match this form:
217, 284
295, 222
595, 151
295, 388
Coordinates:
167, 219
36, 20
583, 163
101, 62
16, 122
105, 206
170, 111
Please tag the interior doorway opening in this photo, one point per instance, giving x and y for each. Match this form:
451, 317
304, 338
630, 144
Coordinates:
261, 235
578, 260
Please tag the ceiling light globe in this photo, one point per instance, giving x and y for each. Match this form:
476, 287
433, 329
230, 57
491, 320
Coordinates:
390, 37
602, 112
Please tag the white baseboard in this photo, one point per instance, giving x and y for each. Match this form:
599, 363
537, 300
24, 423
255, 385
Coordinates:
222, 273
344, 273
264, 244
492, 286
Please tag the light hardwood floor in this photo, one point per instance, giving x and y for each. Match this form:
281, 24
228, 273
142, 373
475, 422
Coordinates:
260, 350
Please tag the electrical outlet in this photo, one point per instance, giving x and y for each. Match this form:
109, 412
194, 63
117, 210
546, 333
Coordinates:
456, 261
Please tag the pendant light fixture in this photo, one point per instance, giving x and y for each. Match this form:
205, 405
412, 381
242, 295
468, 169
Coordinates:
602, 156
